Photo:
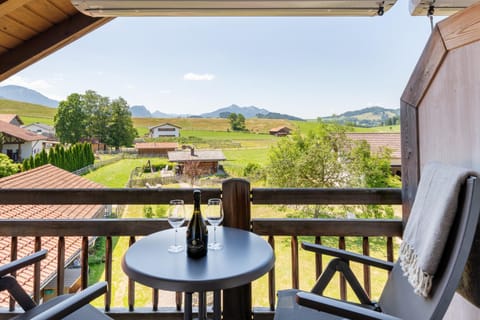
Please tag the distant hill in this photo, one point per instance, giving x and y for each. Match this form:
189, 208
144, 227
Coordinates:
18, 93
28, 112
248, 112
275, 115
140, 112
367, 117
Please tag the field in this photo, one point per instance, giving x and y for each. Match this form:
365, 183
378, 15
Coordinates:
28, 112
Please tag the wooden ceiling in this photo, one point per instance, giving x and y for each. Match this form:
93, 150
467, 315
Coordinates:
32, 29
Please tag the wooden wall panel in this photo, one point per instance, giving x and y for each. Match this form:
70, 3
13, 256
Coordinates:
462, 28
449, 132
424, 72
450, 113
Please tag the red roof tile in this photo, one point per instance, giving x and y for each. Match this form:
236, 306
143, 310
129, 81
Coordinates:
18, 132
380, 140
156, 145
10, 117
45, 177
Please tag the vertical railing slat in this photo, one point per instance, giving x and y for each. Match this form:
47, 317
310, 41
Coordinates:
343, 285
13, 256
61, 266
36, 272
366, 268
294, 250
155, 299
271, 278
318, 260
131, 284
84, 263
108, 271
390, 256
178, 300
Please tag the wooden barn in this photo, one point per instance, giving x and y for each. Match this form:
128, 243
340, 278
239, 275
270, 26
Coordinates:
205, 161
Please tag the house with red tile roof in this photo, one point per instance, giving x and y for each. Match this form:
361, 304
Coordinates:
19, 143
45, 177
378, 140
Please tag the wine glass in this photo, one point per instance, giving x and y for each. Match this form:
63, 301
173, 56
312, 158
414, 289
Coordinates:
214, 214
176, 217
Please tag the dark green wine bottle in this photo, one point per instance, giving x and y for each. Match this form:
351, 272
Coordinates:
197, 233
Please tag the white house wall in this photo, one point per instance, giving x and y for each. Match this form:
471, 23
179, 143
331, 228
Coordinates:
164, 131
27, 149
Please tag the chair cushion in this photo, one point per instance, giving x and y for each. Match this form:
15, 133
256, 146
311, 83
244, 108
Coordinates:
288, 309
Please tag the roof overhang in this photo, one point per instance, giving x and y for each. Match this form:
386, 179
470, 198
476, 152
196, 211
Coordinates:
439, 7
32, 29
115, 8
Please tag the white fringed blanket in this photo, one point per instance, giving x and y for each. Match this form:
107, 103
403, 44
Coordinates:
429, 223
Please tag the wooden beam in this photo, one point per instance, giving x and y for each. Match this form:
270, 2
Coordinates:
11, 5
462, 28
410, 156
47, 42
425, 70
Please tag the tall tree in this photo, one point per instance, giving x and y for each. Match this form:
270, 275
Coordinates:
98, 110
120, 129
71, 119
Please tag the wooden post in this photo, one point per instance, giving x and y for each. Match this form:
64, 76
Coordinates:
410, 156
237, 302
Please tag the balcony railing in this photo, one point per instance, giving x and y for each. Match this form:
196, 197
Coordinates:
238, 200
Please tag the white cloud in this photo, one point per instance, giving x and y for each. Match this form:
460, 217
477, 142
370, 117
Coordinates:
35, 84
198, 77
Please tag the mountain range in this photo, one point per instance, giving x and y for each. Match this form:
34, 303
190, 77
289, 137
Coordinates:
18, 93
247, 112
366, 117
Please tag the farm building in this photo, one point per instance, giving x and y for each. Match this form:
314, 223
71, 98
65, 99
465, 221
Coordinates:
155, 148
207, 161
164, 130
280, 131
46, 177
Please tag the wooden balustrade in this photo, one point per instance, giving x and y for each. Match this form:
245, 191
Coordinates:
238, 198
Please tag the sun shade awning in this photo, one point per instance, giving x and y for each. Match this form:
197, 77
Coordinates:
439, 7
115, 8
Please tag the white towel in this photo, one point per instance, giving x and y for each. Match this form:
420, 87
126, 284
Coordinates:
432, 215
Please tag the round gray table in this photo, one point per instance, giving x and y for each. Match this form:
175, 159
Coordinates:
244, 258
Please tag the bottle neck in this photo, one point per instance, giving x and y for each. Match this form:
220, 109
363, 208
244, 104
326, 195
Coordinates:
196, 201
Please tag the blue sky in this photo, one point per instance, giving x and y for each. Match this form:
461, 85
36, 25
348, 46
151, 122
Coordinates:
307, 67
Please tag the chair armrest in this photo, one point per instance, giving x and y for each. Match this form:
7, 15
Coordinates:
22, 262
73, 303
346, 255
340, 308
